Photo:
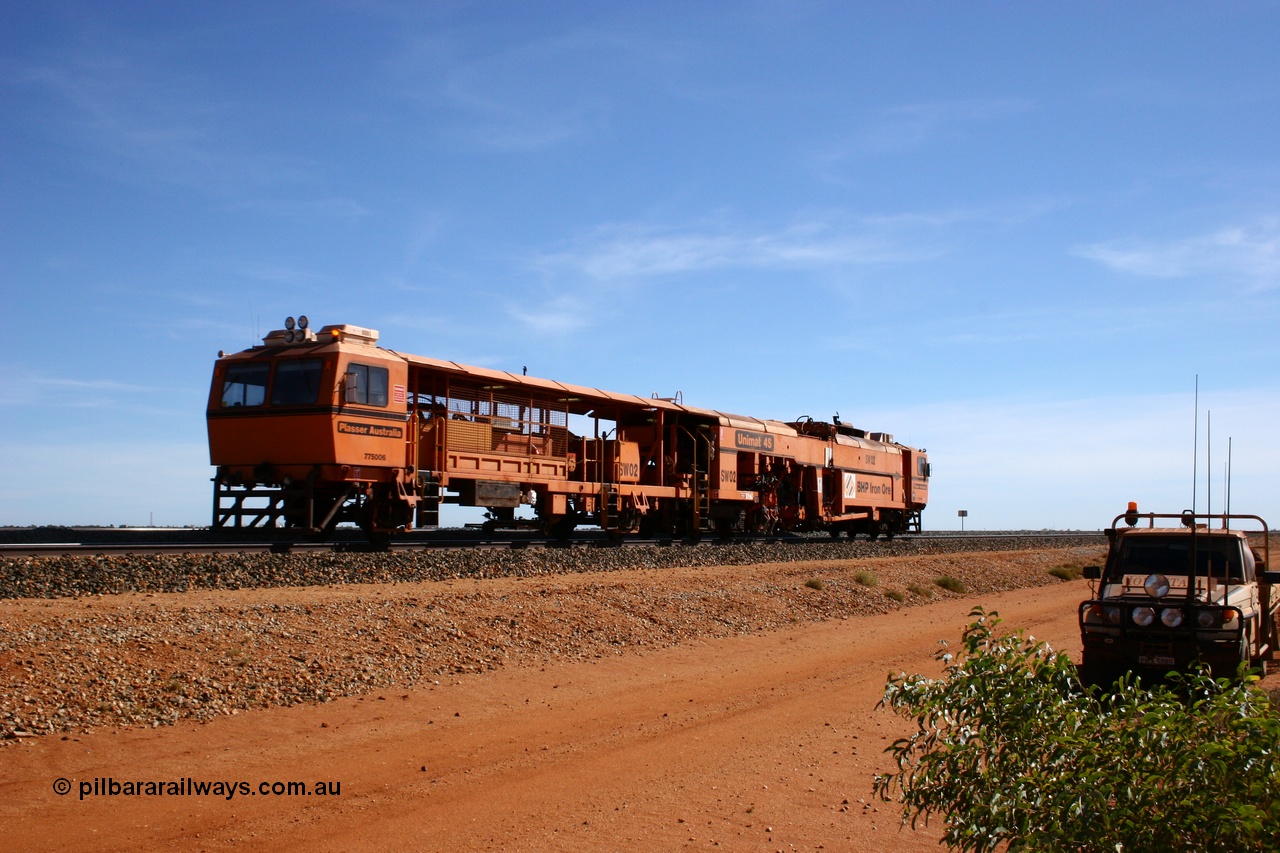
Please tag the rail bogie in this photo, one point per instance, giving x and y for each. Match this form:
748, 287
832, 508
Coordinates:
310, 430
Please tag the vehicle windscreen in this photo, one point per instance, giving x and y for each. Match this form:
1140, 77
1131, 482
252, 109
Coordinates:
1215, 556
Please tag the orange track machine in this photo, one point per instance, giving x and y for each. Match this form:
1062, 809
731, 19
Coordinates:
312, 429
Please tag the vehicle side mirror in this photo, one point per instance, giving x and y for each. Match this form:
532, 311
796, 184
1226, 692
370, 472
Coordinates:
1092, 573
351, 388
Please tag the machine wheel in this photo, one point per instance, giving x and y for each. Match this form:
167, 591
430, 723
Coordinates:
380, 516
376, 536
562, 528
648, 526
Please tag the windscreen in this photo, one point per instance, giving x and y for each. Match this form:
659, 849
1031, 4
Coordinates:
1171, 556
297, 382
245, 385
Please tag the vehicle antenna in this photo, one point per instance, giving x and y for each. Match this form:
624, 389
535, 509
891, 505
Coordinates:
1228, 487
1208, 465
1195, 467
1195, 448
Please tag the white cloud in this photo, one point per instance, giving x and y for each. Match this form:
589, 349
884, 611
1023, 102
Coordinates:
559, 316
910, 126
284, 274
1250, 252
535, 94
333, 207
19, 387
630, 251
906, 128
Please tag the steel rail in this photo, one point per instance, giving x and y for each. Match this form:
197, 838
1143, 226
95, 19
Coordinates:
585, 540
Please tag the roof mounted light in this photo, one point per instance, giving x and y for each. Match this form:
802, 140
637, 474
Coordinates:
347, 333
288, 323
281, 337
302, 321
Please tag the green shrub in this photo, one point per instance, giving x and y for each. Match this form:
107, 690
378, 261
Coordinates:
895, 595
814, 583
1068, 572
866, 578
1014, 754
922, 591
950, 584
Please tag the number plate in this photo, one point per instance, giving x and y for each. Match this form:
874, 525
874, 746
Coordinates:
1157, 660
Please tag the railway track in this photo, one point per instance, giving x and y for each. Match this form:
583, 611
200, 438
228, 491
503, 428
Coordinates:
201, 542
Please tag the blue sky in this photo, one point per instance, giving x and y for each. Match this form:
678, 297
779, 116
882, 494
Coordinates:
1012, 233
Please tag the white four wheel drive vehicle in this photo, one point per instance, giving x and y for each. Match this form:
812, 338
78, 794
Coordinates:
1190, 591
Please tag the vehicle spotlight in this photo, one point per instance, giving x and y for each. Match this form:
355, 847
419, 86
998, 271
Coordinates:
1171, 617
302, 321
1157, 586
1101, 614
1209, 618
1143, 616
288, 323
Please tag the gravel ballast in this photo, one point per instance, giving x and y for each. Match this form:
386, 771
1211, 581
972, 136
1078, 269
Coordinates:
52, 577
150, 640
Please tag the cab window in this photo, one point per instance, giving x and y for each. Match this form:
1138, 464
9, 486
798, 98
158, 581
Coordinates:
244, 385
297, 382
367, 384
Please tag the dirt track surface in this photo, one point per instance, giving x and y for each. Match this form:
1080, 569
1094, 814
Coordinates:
745, 722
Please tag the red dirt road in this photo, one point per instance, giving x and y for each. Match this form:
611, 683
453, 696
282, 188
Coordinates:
766, 741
